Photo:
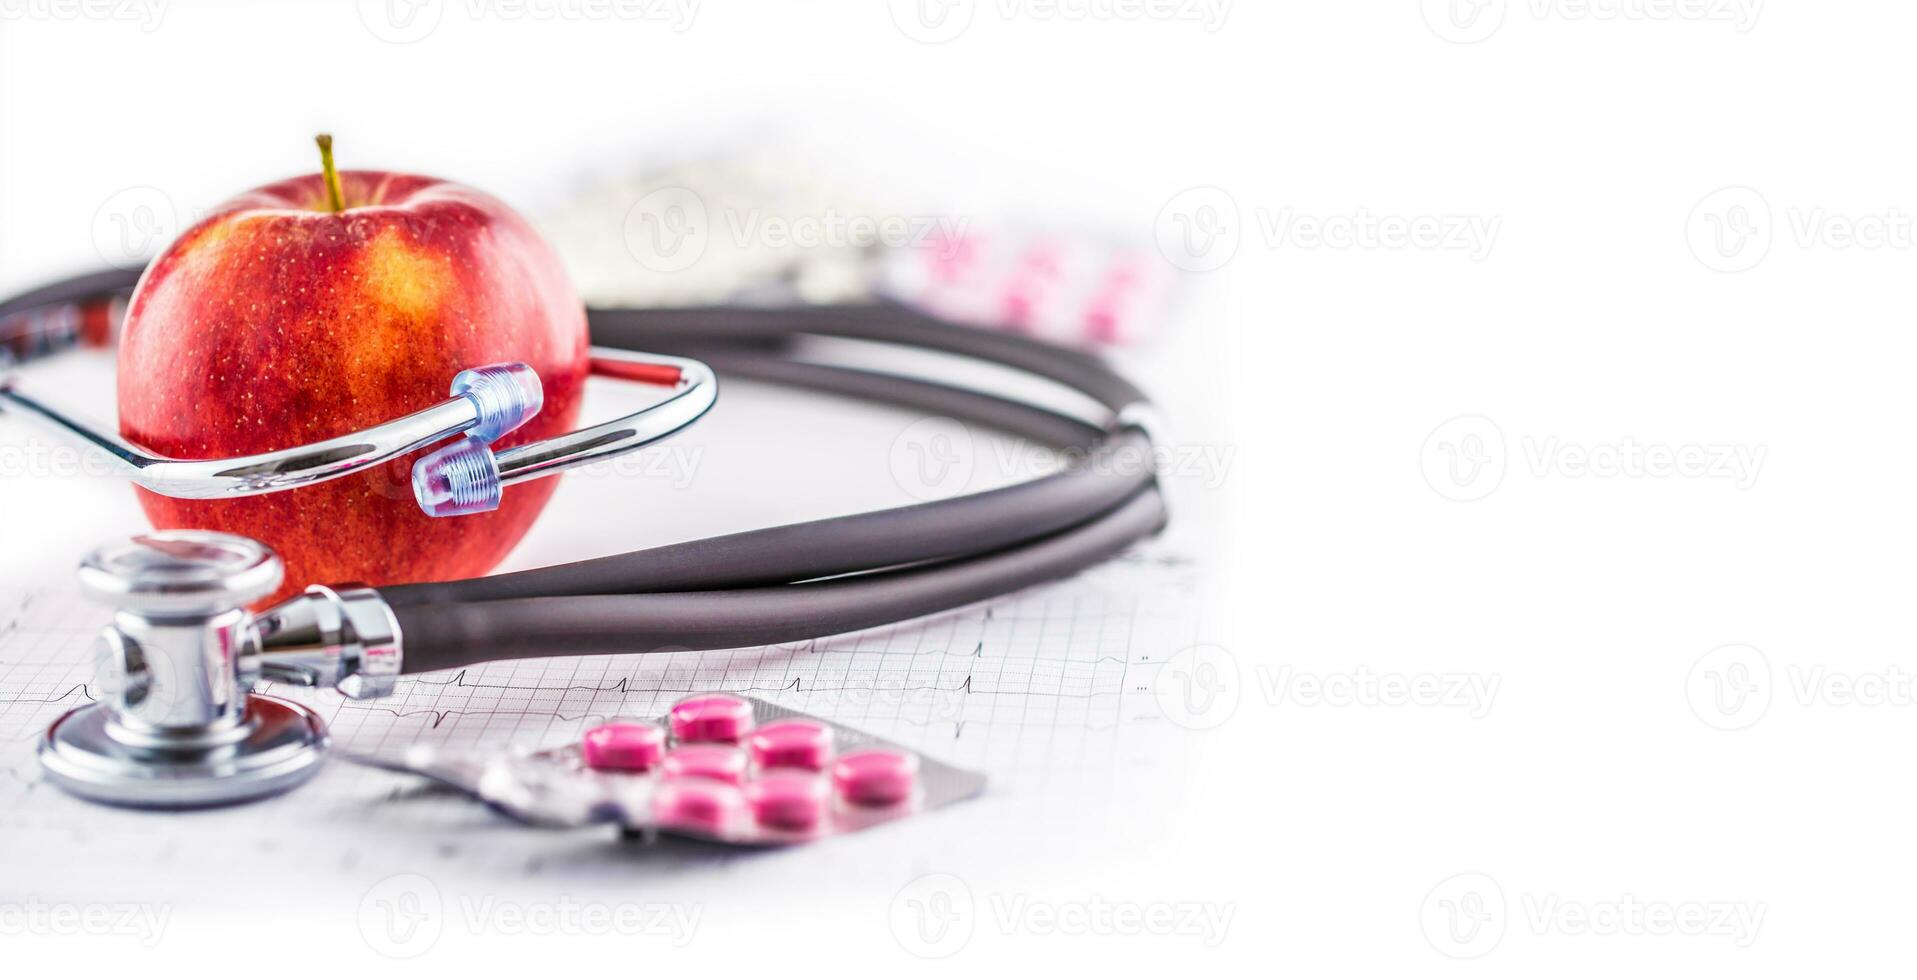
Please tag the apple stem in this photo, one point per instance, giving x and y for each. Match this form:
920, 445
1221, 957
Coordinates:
334, 198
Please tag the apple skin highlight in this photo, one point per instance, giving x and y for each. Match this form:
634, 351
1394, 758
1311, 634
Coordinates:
275, 322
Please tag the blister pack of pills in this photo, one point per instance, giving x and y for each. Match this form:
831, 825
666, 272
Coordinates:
717, 767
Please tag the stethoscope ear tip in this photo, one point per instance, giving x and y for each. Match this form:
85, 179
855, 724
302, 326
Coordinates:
505, 395
459, 478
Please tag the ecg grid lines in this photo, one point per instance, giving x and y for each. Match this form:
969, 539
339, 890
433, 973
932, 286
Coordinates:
1030, 688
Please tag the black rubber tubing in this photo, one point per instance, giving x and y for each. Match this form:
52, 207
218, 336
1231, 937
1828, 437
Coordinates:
974, 524
686, 330
79, 289
992, 411
442, 635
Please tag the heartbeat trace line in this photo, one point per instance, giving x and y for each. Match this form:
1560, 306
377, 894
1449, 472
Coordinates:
795, 685
80, 689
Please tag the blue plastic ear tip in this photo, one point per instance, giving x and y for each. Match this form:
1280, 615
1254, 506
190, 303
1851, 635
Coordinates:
505, 396
459, 478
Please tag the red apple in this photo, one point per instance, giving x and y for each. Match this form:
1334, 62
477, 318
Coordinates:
320, 305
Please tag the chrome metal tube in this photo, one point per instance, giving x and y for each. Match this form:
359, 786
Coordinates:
693, 394
241, 476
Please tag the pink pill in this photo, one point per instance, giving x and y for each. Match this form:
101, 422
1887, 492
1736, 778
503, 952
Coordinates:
711, 718
703, 805
875, 777
724, 763
787, 799
624, 746
791, 744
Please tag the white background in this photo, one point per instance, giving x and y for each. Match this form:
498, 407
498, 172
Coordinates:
1677, 656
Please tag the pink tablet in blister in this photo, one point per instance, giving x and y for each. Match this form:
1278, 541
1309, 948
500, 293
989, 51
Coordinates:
724, 763
624, 746
787, 799
711, 718
703, 771
705, 806
795, 743
875, 777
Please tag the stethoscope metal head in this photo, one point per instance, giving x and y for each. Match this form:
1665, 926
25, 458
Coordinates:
175, 722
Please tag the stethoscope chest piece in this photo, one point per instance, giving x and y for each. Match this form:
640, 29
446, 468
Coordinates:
175, 723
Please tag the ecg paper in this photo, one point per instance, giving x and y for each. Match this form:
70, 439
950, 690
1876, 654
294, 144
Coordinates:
1034, 688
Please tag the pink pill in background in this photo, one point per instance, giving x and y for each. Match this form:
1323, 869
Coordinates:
711, 718
787, 799
725, 763
704, 805
791, 744
875, 777
624, 746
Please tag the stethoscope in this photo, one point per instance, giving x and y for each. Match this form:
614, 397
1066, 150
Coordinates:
177, 724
